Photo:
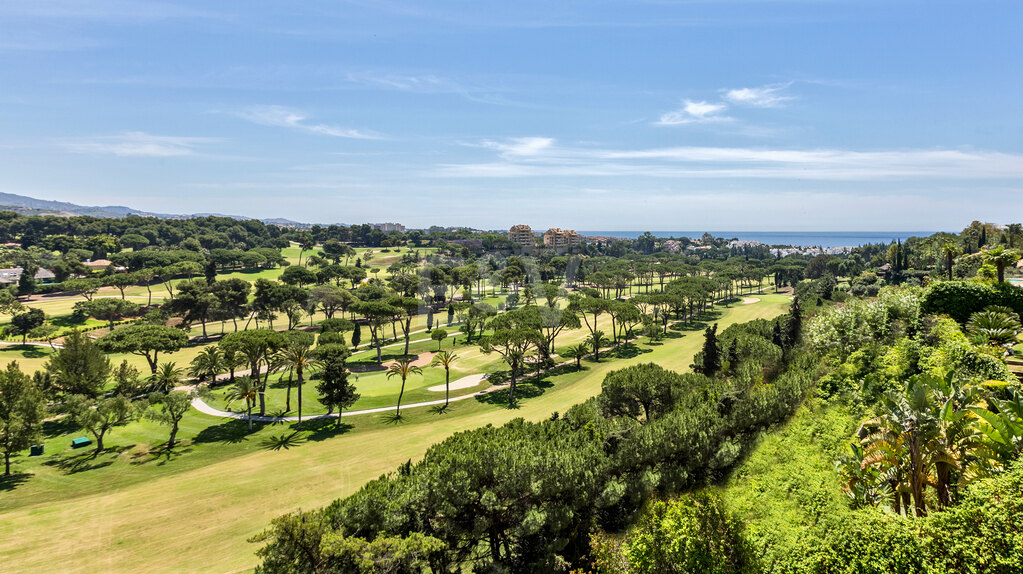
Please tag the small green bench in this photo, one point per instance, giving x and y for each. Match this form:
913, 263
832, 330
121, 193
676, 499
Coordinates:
80, 442
36, 450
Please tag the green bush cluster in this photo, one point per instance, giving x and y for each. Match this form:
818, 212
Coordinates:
523, 497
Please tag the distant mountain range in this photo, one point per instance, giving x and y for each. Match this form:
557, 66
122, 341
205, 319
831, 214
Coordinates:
31, 206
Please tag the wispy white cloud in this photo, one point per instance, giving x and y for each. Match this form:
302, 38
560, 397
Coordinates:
137, 144
693, 112
117, 10
520, 147
542, 157
771, 96
279, 116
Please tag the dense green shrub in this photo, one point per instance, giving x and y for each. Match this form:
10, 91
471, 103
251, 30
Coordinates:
960, 299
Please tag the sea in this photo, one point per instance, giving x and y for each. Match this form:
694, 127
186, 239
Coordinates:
795, 238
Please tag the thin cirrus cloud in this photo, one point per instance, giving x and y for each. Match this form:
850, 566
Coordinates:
137, 144
279, 116
771, 96
542, 157
693, 112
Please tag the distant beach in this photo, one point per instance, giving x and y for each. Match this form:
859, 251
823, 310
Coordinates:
798, 238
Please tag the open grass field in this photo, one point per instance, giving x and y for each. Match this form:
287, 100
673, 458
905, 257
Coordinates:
133, 510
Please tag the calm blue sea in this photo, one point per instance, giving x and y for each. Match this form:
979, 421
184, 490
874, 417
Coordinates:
800, 238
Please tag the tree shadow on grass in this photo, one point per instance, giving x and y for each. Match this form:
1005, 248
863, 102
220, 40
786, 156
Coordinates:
283, 441
628, 351
59, 427
231, 432
366, 367
523, 390
324, 428
30, 351
279, 414
440, 409
160, 456
392, 419
81, 462
13, 481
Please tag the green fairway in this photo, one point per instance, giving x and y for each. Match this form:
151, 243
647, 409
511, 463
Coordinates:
130, 510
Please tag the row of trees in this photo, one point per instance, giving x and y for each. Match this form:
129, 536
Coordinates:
523, 496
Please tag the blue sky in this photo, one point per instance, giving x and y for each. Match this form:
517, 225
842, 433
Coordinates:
661, 115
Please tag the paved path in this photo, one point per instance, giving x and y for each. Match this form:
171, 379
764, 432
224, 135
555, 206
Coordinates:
201, 406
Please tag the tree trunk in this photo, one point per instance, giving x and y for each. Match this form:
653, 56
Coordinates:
397, 411
7, 463
287, 403
99, 441
511, 388
447, 386
916, 477
174, 433
299, 369
248, 405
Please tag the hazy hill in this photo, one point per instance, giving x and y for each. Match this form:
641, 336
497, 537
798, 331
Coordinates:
26, 205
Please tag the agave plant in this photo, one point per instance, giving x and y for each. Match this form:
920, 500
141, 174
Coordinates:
994, 325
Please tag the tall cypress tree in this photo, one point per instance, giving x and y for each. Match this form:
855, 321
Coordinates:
711, 353
733, 355
356, 336
793, 326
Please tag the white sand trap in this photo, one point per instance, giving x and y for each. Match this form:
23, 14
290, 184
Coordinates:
463, 383
750, 300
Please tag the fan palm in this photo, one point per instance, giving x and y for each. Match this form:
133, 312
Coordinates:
596, 341
950, 250
445, 359
577, 352
1001, 258
245, 389
209, 363
297, 359
403, 367
995, 325
166, 377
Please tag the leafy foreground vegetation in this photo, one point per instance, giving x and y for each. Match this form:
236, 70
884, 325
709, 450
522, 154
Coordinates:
905, 460
522, 497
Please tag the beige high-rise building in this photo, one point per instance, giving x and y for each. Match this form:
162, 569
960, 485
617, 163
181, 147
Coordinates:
559, 239
523, 235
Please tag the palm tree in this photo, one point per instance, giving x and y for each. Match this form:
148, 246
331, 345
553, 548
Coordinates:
949, 451
1000, 257
950, 250
445, 359
595, 341
899, 437
577, 352
245, 389
209, 363
304, 246
166, 377
994, 325
298, 358
1002, 431
403, 367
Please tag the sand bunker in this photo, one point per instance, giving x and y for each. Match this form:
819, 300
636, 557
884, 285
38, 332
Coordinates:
463, 383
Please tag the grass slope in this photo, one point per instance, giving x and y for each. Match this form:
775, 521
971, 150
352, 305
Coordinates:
134, 511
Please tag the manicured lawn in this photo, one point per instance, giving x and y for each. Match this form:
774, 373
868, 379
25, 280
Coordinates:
134, 509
